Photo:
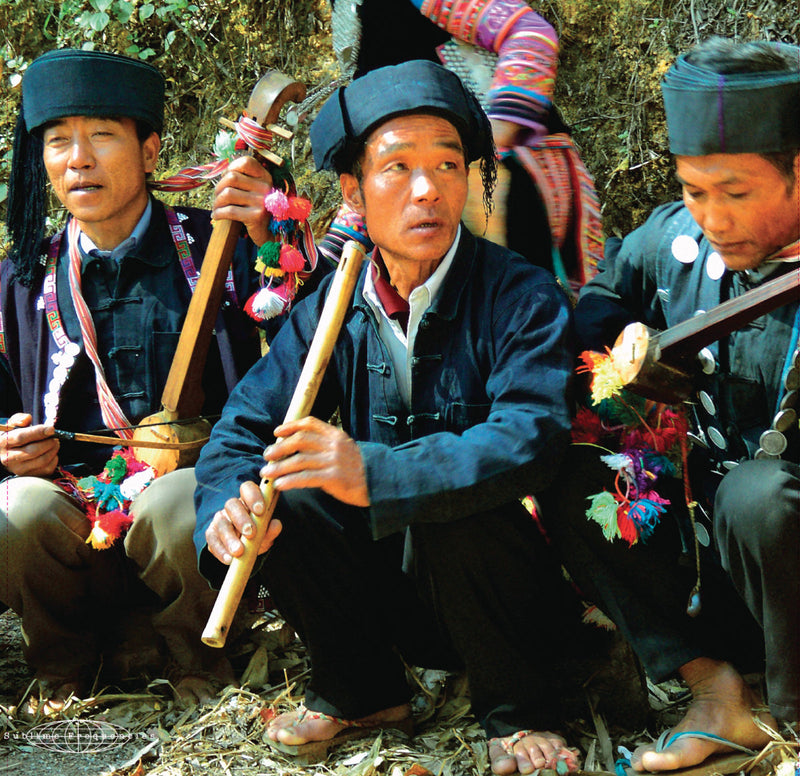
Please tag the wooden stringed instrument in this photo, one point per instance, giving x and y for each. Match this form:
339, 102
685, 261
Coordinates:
183, 394
659, 365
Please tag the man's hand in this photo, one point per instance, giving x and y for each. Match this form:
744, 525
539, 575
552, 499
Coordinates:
312, 454
223, 536
239, 196
308, 454
28, 450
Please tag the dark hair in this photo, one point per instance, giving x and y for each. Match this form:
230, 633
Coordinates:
783, 161
28, 199
143, 130
726, 57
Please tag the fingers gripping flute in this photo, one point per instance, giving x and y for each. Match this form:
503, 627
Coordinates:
305, 393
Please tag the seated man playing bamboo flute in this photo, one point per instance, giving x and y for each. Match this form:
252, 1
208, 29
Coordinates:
90, 323
727, 539
399, 535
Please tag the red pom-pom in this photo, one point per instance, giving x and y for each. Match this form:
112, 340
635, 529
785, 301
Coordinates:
291, 259
587, 427
299, 208
107, 528
627, 528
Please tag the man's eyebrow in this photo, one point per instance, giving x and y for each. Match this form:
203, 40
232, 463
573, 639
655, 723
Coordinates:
731, 180
63, 120
452, 145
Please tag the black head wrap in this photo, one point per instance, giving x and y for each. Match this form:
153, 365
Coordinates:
709, 112
352, 112
60, 83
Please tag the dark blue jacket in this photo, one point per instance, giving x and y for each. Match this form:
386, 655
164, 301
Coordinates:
489, 418
651, 279
138, 311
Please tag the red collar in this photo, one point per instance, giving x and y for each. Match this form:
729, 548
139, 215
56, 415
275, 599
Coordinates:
394, 305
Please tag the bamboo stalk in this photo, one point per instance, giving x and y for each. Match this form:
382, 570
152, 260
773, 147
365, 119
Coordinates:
319, 354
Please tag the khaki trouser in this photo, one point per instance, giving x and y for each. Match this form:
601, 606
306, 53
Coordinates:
73, 598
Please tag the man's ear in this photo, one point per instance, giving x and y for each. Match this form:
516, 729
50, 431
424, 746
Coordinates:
150, 150
351, 192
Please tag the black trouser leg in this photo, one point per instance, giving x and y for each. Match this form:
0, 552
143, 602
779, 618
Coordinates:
484, 593
644, 589
349, 600
757, 529
501, 595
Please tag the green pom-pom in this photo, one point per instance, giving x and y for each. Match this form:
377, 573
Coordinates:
626, 409
603, 510
270, 254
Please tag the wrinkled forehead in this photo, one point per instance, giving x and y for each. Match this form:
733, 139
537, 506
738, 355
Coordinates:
423, 125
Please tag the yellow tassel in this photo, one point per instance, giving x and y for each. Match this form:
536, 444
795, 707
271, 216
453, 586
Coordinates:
98, 538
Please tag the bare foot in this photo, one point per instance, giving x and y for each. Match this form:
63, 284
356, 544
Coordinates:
298, 727
54, 693
204, 685
723, 705
528, 751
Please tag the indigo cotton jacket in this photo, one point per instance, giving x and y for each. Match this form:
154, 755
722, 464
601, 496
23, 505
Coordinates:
489, 415
666, 272
138, 308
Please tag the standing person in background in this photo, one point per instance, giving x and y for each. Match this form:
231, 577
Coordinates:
507, 54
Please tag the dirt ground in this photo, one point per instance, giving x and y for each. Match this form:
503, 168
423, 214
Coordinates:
613, 54
157, 735
20, 753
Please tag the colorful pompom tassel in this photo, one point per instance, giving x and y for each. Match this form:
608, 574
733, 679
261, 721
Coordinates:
291, 260
603, 510
277, 203
594, 616
299, 208
107, 528
266, 303
625, 525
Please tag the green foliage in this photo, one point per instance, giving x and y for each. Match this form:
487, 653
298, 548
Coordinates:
211, 53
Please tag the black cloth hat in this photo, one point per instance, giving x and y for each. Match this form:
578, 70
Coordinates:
417, 86
72, 82
732, 113
60, 83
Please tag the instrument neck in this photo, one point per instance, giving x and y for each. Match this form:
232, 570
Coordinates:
689, 337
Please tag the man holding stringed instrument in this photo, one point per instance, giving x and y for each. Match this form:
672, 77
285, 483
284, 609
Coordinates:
718, 276
400, 535
91, 319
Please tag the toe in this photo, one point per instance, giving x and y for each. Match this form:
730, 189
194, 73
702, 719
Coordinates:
503, 764
524, 765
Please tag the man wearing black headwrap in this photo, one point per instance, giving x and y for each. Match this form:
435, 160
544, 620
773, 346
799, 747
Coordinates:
116, 281
733, 113
400, 535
